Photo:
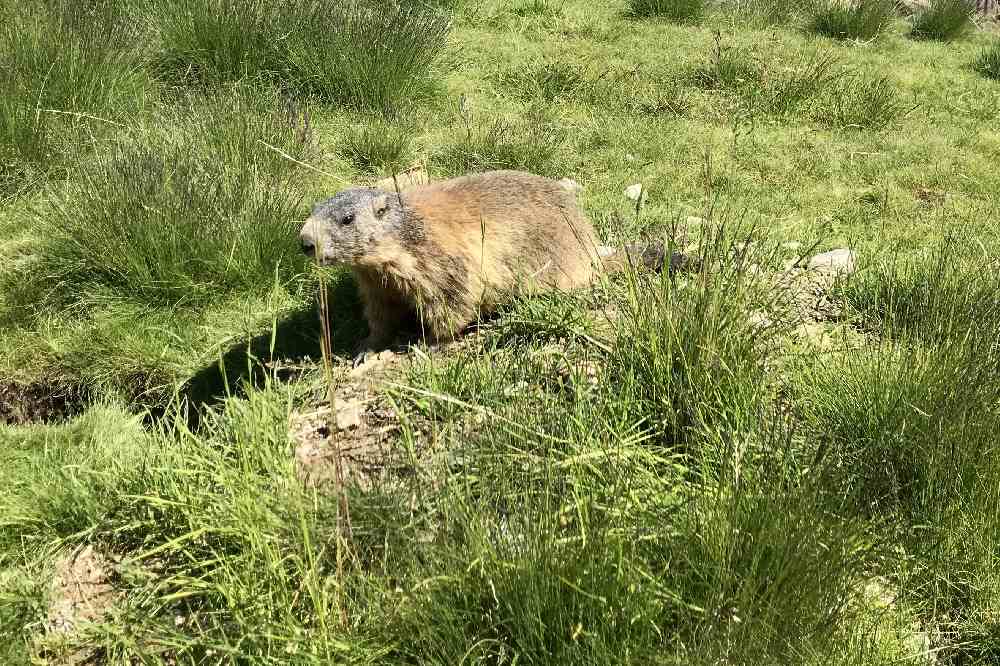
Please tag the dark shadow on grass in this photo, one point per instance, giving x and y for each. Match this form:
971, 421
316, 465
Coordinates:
283, 354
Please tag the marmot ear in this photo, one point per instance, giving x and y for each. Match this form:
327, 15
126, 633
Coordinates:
380, 205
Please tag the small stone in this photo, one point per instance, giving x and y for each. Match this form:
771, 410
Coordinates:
348, 413
815, 334
878, 593
794, 246
840, 260
693, 220
371, 362
634, 192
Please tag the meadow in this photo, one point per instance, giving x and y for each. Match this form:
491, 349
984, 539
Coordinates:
742, 463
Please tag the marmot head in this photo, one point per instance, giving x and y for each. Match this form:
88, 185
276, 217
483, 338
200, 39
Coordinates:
350, 226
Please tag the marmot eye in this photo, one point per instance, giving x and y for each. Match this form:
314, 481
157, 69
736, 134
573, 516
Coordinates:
347, 219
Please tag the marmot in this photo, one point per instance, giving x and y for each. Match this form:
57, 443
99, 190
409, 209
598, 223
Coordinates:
444, 251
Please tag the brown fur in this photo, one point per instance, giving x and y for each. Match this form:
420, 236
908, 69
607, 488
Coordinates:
446, 250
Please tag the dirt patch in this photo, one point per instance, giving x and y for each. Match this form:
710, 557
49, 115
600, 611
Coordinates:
81, 590
38, 403
354, 433
806, 292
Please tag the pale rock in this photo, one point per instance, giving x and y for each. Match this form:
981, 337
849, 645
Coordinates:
372, 362
815, 333
634, 192
841, 260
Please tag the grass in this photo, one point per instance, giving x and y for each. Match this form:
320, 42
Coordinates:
377, 147
864, 20
64, 88
189, 212
912, 418
814, 83
943, 20
502, 144
362, 72
692, 468
682, 11
207, 41
768, 12
988, 62
862, 100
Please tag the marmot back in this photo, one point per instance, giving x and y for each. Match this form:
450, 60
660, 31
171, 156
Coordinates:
446, 250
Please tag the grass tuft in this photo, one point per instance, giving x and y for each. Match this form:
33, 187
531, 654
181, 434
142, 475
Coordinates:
765, 87
943, 20
376, 146
767, 12
549, 81
942, 294
863, 20
988, 62
185, 212
913, 414
367, 54
66, 79
361, 53
503, 144
862, 101
680, 11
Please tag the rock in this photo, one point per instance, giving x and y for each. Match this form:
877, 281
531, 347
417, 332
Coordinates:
372, 362
634, 192
348, 413
815, 334
694, 220
878, 594
841, 260
794, 246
